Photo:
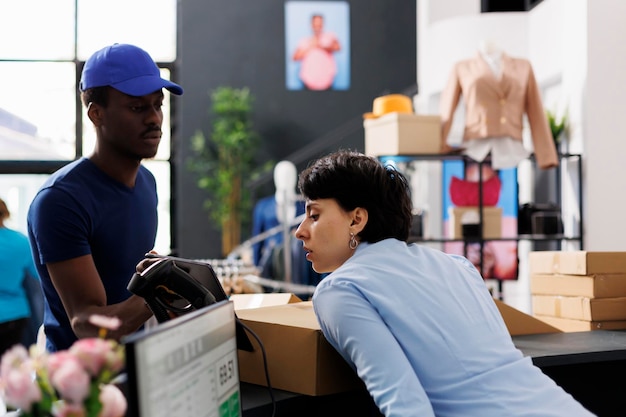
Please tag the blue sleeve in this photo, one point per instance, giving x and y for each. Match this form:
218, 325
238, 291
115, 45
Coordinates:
29, 263
59, 226
257, 229
354, 328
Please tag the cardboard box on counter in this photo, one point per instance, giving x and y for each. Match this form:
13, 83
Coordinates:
580, 308
592, 286
299, 359
402, 134
571, 325
519, 323
492, 221
577, 262
244, 301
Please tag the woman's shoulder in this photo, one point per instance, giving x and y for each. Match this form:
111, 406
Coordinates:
383, 248
12, 234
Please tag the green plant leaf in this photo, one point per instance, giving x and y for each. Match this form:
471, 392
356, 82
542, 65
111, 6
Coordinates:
223, 161
557, 126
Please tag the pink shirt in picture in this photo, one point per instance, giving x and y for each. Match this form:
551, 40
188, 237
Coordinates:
318, 67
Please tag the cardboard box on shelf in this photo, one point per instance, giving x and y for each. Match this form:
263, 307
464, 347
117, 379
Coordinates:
402, 134
299, 359
492, 221
571, 325
580, 308
577, 262
592, 286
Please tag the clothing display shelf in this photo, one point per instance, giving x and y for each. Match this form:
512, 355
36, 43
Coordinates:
570, 166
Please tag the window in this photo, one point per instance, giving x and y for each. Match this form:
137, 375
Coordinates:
42, 123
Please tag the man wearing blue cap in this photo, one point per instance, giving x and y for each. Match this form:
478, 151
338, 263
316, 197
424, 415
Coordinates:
94, 219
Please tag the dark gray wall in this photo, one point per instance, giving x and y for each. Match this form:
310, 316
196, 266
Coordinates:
240, 43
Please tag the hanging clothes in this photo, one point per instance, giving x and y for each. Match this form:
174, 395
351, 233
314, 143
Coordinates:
267, 254
497, 95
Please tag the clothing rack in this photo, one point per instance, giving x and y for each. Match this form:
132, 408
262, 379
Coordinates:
262, 236
230, 270
280, 286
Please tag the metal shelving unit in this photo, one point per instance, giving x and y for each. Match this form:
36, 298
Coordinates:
570, 165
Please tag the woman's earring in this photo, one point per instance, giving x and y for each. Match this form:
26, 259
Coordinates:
353, 242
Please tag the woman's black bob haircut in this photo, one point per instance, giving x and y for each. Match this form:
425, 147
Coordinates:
356, 180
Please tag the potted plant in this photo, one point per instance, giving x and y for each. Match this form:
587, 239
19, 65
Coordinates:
224, 161
558, 126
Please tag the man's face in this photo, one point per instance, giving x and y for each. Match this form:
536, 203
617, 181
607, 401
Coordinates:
131, 126
317, 23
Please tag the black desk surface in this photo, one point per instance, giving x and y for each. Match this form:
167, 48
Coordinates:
573, 348
581, 362
589, 365
256, 402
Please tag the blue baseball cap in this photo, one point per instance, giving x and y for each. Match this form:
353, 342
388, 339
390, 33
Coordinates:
126, 68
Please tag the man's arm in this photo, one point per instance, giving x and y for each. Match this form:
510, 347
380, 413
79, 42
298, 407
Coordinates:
304, 46
334, 46
79, 285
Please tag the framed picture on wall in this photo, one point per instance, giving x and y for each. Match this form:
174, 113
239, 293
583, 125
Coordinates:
317, 45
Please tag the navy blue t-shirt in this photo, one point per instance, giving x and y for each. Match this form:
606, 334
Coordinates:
78, 211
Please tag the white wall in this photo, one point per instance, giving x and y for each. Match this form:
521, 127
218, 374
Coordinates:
602, 125
576, 48
450, 40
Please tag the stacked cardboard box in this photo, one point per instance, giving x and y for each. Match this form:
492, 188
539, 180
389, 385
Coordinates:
402, 134
579, 290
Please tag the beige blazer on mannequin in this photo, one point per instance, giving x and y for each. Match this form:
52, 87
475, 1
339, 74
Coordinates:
495, 107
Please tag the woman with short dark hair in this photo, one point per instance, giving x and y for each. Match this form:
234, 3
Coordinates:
419, 326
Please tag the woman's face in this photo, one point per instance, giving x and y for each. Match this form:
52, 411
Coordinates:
325, 234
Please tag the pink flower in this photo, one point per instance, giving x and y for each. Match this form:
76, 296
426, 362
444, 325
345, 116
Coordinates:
113, 401
17, 379
20, 388
71, 380
69, 383
92, 353
56, 360
65, 409
13, 358
115, 359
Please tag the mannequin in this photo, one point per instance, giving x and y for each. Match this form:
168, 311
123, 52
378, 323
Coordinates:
281, 209
285, 178
492, 54
497, 90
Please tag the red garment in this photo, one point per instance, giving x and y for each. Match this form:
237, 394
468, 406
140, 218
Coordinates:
465, 193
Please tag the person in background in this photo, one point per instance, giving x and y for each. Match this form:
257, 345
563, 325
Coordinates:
318, 67
16, 265
94, 219
419, 326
